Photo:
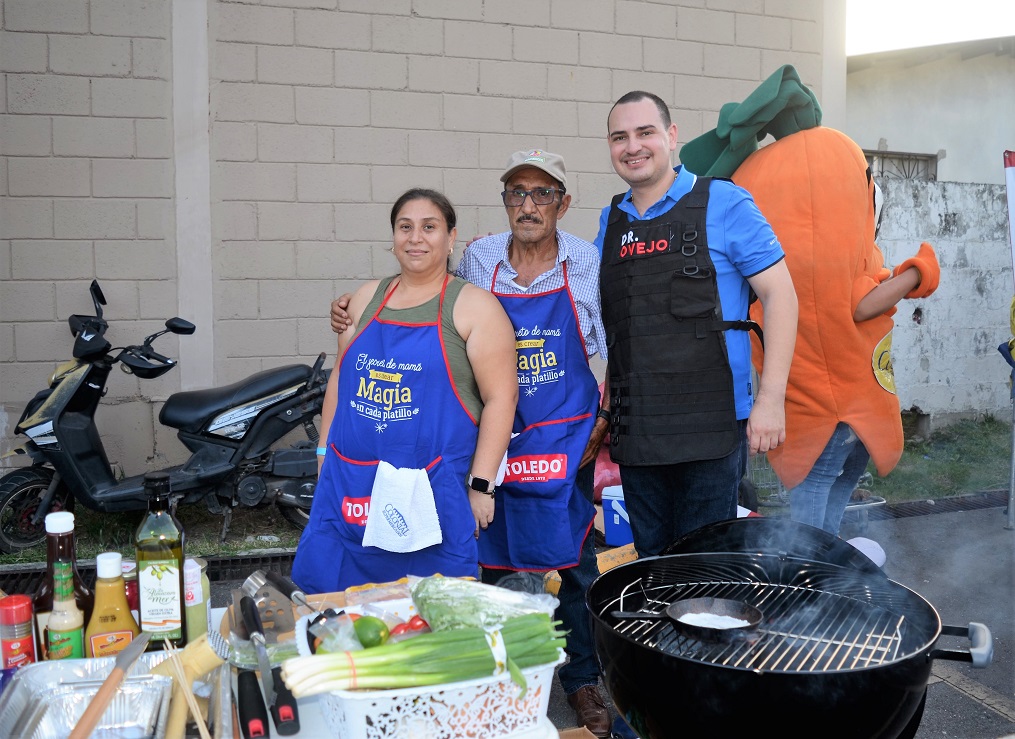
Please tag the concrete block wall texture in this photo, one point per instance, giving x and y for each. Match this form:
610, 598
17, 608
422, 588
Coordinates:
945, 347
86, 152
320, 113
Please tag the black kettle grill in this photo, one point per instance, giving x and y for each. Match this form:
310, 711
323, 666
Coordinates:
840, 650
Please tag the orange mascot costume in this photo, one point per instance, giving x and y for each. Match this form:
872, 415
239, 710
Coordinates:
814, 187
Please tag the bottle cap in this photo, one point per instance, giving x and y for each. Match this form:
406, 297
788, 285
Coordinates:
107, 565
15, 609
129, 569
61, 522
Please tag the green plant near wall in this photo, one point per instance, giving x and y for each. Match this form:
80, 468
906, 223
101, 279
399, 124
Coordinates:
965, 457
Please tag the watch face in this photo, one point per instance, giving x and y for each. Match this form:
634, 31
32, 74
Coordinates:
479, 484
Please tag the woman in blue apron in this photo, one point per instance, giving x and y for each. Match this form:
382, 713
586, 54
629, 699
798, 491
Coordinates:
557, 403
422, 396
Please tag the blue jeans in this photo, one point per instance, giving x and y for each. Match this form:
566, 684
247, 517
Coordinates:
664, 502
582, 667
821, 499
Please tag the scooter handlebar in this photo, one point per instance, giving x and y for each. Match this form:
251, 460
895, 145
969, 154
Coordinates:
137, 361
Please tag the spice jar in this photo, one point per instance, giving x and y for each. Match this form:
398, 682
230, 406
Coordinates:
17, 645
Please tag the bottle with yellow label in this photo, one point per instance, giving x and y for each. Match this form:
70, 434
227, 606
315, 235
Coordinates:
111, 627
65, 630
158, 545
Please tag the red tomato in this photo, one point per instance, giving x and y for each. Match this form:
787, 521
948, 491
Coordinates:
400, 629
416, 623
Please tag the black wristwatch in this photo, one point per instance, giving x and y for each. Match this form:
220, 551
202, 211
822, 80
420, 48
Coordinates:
480, 485
604, 414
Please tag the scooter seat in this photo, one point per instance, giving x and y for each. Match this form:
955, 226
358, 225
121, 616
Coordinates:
189, 410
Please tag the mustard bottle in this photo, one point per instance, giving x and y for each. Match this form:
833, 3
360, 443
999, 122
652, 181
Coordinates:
111, 627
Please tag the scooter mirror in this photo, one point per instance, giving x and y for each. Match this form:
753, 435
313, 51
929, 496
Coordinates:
98, 299
179, 325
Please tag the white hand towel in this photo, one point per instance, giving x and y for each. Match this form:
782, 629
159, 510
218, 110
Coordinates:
403, 514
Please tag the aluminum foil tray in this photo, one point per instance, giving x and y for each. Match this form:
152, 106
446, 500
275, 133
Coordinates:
46, 699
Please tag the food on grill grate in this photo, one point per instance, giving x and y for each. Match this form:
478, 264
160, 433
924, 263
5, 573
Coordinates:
711, 621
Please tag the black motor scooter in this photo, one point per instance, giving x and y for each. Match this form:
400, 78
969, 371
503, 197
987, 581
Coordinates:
230, 432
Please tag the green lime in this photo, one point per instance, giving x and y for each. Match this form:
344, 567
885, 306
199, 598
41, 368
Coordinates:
371, 631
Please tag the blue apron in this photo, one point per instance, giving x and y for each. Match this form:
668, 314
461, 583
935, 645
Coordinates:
397, 403
541, 518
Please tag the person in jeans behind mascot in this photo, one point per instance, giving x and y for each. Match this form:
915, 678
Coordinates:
815, 188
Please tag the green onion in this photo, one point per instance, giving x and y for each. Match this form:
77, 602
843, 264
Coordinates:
428, 659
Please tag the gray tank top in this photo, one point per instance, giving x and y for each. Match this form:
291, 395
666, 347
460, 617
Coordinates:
462, 376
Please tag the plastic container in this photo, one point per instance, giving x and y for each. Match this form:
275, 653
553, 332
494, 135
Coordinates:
616, 524
489, 707
112, 626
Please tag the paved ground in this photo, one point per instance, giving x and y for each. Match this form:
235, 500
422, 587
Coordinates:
963, 563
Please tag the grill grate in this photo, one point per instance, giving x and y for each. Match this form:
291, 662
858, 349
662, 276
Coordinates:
803, 629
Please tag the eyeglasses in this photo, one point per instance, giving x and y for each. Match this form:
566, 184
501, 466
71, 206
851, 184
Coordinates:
540, 196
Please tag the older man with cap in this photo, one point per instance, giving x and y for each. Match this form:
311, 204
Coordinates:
548, 282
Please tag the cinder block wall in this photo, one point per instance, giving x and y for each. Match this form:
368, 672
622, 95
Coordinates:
944, 347
320, 112
87, 192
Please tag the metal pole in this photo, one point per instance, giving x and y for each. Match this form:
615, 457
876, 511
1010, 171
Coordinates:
1009, 181
1011, 481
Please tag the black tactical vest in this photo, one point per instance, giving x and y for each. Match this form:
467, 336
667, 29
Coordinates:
671, 386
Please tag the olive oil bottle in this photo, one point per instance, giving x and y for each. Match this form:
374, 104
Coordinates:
159, 553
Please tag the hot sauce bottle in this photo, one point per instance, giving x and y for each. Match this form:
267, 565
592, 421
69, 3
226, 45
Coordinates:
59, 549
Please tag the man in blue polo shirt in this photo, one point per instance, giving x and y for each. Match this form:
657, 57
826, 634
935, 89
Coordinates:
681, 257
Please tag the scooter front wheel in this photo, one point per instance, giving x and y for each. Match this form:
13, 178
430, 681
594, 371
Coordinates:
20, 494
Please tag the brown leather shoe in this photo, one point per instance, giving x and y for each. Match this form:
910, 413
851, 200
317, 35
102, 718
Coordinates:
591, 710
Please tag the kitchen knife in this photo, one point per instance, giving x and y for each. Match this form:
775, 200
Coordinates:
277, 697
250, 706
252, 620
284, 713
124, 661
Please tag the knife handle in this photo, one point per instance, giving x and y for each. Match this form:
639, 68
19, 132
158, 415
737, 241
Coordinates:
284, 713
251, 618
253, 714
288, 588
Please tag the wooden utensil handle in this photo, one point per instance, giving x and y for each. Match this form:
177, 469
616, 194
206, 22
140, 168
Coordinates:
97, 706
